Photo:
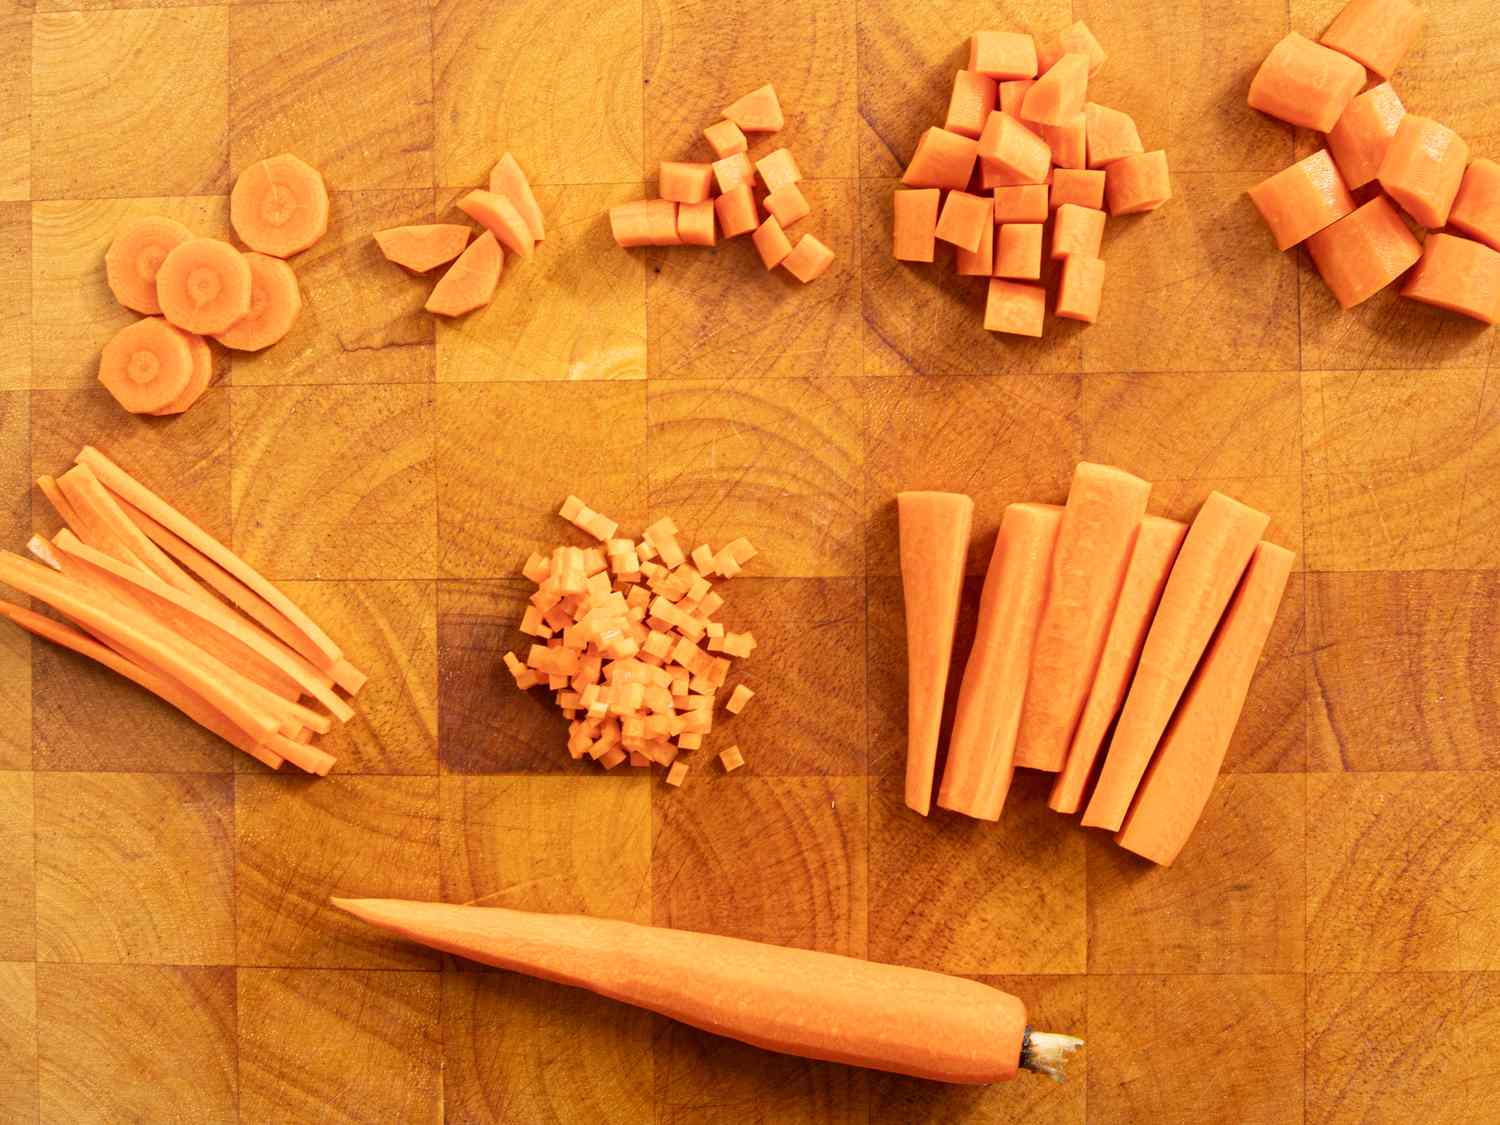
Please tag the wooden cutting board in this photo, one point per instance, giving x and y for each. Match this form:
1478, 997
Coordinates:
1323, 951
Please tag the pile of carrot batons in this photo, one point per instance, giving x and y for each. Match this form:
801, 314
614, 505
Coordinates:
1020, 122
511, 218
1361, 246
155, 598
685, 212
1094, 617
191, 287
630, 642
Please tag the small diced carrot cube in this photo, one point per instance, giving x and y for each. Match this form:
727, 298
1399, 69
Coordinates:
771, 243
788, 204
1015, 149
725, 138
738, 698
739, 644
1067, 141
1137, 183
676, 774
644, 548
703, 558
594, 561
572, 508
732, 171
759, 111
1009, 96
963, 219
1026, 203
1015, 308
942, 160
1082, 289
1476, 211
695, 223
537, 568
914, 218
1077, 230
1109, 135
731, 759
736, 211
532, 623
639, 760
1077, 39
1077, 185
636, 596
685, 182
971, 103
687, 741
699, 589
741, 550
1060, 93
1018, 251
612, 758
778, 168
1002, 54
1423, 169
980, 263
710, 605
809, 259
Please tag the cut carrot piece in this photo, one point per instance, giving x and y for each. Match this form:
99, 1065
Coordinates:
1459, 275
275, 304
731, 759
677, 774
1026, 203
1476, 210
725, 138
1364, 251
1011, 96
499, 216
759, 111
146, 365
914, 224
1151, 560
682, 182
1363, 134
809, 259
202, 374
778, 169
1059, 95
279, 206
1015, 308
60, 503
1067, 141
1423, 169
135, 255
1079, 186
1137, 183
934, 535
964, 218
736, 211
1301, 200
1081, 291
980, 262
942, 160
738, 698
1018, 251
771, 243
1213, 557
1305, 83
732, 171
507, 179
105, 525
470, 282
1009, 145
1002, 54
982, 748
994, 176
788, 204
646, 222
1375, 33
1109, 135
423, 248
1098, 531
1180, 779
970, 104
1077, 231
695, 223
203, 285
1078, 39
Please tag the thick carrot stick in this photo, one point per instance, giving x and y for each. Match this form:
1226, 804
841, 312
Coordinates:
92, 499
60, 503
981, 751
92, 529
1208, 568
797, 1001
1156, 548
301, 754
1180, 779
934, 543
1099, 525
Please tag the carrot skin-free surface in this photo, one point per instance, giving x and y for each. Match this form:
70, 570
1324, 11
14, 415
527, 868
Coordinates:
1364, 132
1060, 94
759, 111
970, 104
1136, 183
1457, 274
275, 304
507, 179
498, 215
279, 206
425, 247
203, 285
1299, 201
980, 262
470, 282
964, 218
1423, 169
1476, 209
1364, 251
1081, 290
1082, 186
1376, 33
1002, 54
1024, 203
914, 224
942, 160
1015, 308
1077, 231
1305, 83
1009, 145
137, 252
1018, 251
199, 379
1109, 135
146, 365
97, 509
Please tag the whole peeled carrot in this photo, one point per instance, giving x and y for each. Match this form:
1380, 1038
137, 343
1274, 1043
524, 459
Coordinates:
797, 1001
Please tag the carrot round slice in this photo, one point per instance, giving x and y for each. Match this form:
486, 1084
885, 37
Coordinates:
204, 285
202, 374
146, 365
279, 206
131, 262
275, 304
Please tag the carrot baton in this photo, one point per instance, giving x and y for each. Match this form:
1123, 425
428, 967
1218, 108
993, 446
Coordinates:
796, 1001
91, 497
91, 529
60, 503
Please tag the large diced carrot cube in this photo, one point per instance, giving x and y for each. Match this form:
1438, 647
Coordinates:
736, 211
1018, 251
759, 111
1060, 94
1067, 141
1015, 308
778, 168
1110, 135
1377, 33
1476, 211
1077, 231
1459, 275
1423, 169
809, 259
683, 182
1082, 289
1082, 186
942, 160
1024, 204
1364, 132
964, 218
1009, 96
981, 262
788, 204
993, 176
725, 138
1002, 54
1364, 251
1305, 83
771, 243
914, 224
972, 101
695, 223
1301, 200
644, 222
1011, 146
1137, 183
734, 170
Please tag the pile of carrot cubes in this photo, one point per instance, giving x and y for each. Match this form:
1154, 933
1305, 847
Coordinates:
1094, 617
1360, 244
629, 645
685, 212
1020, 124
511, 218
190, 287
149, 594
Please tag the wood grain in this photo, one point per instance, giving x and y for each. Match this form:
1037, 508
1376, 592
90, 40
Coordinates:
18, 1096
15, 296
15, 98
15, 526
17, 867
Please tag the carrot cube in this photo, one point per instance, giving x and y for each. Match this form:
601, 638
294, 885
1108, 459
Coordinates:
964, 218
1081, 289
731, 759
1024, 204
1137, 183
644, 222
1364, 251
942, 160
981, 262
1301, 200
738, 698
1476, 211
1364, 132
725, 138
1082, 186
736, 212
1067, 141
1305, 83
1002, 54
759, 111
1015, 308
1009, 145
611, 758
788, 204
971, 103
1010, 96
682, 182
809, 259
1077, 39
1459, 275
1109, 135
1077, 231
1060, 93
695, 223
676, 774
778, 169
687, 741
733, 170
1376, 33
1423, 169
771, 243
992, 175
1018, 251
914, 216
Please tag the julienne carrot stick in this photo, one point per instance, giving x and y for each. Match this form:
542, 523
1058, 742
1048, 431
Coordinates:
94, 529
60, 503
105, 512
796, 1001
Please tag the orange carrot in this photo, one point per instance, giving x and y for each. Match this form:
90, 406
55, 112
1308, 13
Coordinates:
1459, 275
1301, 200
1010, 146
725, 138
1077, 185
275, 304
1025, 203
93, 526
1476, 210
759, 111
198, 380
788, 204
507, 179
105, 525
934, 534
1110, 135
134, 257
1079, 39
1018, 251
1002, 54
1364, 251
942, 160
498, 215
1423, 168
778, 169
809, 259
1304, 83
732, 171
771, 243
1067, 141
423, 248
60, 503
695, 223
972, 101
914, 224
1180, 779
964, 218
1081, 290
796, 1001
203, 285
1213, 557
146, 365
736, 211
1376, 33
1060, 93
993, 175
1077, 231
731, 759
1155, 550
279, 206
1011, 96
1137, 183
981, 751
645, 222
980, 262
1015, 308
683, 182
470, 282
1364, 132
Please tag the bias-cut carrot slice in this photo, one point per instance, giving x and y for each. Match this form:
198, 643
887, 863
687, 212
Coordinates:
981, 750
1476, 209
1364, 132
1060, 94
914, 224
771, 243
425, 247
942, 160
470, 282
1364, 251
645, 222
778, 168
1077, 231
736, 211
507, 179
1015, 308
203, 285
1099, 526
1156, 547
1376, 33
1180, 779
695, 223
137, 252
934, 538
1109, 134
279, 206
970, 104
1137, 183
1018, 251
733, 170
499, 216
275, 304
146, 365
759, 111
1080, 186
725, 138
1209, 566
1301, 200
1009, 145
1081, 290
1423, 168
101, 522
1002, 54
1025, 203
684, 182
198, 381
788, 204
809, 259
980, 262
1459, 275
964, 218
1305, 83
